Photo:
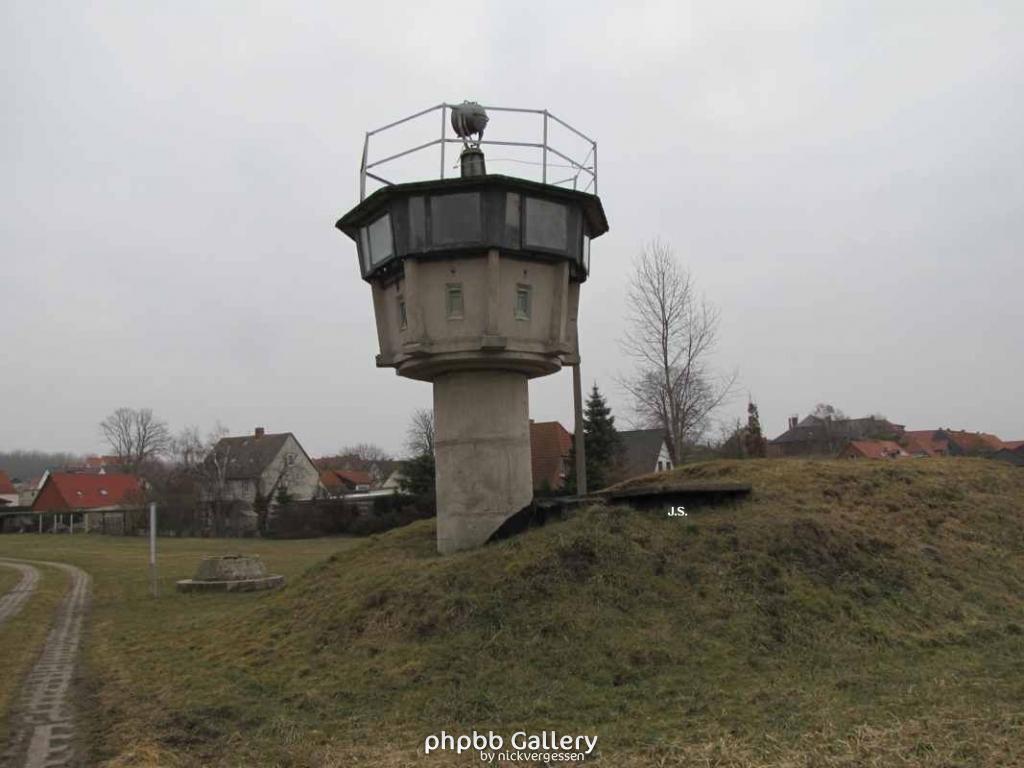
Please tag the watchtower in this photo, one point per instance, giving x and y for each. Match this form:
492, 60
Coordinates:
476, 286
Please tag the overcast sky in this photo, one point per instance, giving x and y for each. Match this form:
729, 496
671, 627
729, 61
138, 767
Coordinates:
844, 180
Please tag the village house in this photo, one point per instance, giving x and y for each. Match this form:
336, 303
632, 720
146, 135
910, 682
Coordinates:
8, 493
873, 449
950, 442
10, 506
250, 474
378, 470
923, 443
643, 451
96, 502
341, 482
395, 480
818, 436
550, 448
29, 489
1012, 452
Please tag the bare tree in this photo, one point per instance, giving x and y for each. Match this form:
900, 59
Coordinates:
201, 467
135, 436
672, 333
365, 452
176, 483
187, 449
829, 414
729, 442
419, 437
828, 411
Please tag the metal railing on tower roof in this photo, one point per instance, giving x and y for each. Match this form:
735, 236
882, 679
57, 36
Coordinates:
587, 167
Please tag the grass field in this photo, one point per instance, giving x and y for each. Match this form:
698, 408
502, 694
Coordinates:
123, 615
8, 578
848, 614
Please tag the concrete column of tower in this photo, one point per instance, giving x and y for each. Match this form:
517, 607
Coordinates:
482, 454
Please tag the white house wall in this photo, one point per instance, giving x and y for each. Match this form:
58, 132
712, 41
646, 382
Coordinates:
302, 480
664, 460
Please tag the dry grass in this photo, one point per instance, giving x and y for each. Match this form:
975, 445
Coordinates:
847, 614
8, 579
123, 617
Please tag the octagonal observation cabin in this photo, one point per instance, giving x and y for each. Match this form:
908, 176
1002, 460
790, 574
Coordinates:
481, 271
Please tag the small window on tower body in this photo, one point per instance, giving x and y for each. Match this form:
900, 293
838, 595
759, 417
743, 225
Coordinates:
522, 302
403, 320
453, 301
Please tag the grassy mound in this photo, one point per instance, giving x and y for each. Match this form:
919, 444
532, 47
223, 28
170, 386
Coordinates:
848, 613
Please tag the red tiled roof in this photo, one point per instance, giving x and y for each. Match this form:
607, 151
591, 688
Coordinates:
937, 442
6, 486
974, 442
64, 491
336, 479
925, 441
550, 444
329, 480
355, 476
875, 449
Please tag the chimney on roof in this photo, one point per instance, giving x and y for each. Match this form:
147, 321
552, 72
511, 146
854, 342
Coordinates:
260, 432
792, 421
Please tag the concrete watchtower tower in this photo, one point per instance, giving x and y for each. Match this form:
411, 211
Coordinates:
476, 283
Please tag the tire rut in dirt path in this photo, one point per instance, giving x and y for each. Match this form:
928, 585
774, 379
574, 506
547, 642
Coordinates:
42, 732
12, 601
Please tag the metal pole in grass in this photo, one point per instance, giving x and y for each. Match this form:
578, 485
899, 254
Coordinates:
152, 548
578, 437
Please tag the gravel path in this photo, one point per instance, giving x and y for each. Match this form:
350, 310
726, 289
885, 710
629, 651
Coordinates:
15, 597
42, 729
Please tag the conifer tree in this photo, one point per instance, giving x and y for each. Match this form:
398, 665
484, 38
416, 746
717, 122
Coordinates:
755, 443
418, 476
602, 443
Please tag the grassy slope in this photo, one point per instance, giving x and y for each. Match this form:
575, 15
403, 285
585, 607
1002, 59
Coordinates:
848, 614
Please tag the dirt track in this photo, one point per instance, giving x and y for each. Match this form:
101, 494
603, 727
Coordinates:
42, 728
